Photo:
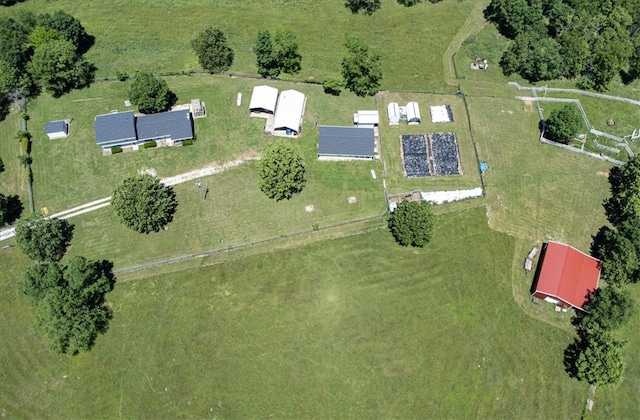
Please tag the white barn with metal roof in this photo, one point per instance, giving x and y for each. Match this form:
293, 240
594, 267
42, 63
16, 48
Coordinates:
263, 100
289, 112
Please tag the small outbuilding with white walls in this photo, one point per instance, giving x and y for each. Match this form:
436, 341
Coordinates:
366, 119
56, 129
289, 112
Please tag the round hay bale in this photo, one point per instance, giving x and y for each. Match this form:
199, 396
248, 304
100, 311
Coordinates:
611, 122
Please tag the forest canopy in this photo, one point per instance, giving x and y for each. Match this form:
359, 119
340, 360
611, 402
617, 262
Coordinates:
590, 40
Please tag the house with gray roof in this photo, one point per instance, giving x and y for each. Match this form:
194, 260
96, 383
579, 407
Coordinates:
116, 129
172, 125
125, 129
346, 143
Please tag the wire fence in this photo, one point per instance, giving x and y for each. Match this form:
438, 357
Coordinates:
598, 133
245, 245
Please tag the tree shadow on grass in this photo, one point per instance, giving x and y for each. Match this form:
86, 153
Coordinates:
13, 210
572, 352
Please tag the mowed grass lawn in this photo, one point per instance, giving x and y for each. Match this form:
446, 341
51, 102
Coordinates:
235, 212
155, 35
357, 327
69, 172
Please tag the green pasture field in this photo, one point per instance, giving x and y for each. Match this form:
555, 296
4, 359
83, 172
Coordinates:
355, 327
155, 35
392, 150
535, 192
348, 327
234, 212
72, 171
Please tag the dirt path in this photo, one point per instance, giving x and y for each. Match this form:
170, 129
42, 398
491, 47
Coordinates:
172, 180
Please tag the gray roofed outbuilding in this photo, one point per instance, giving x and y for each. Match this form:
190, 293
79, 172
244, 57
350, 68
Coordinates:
115, 129
56, 129
346, 143
174, 125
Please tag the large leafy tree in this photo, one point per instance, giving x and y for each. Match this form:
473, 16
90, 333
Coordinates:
279, 55
69, 302
144, 204
534, 56
282, 171
285, 48
67, 25
514, 17
14, 46
361, 69
366, 6
44, 239
619, 256
412, 223
57, 67
599, 360
624, 203
41, 35
595, 39
265, 56
608, 308
213, 50
150, 94
563, 124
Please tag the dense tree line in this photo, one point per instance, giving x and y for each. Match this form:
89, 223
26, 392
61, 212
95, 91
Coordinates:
592, 40
595, 356
42, 52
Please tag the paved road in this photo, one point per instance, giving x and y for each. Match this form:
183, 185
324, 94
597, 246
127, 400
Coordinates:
173, 180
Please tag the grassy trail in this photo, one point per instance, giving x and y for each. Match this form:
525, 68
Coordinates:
474, 24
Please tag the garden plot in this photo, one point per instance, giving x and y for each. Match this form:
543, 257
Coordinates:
430, 155
445, 154
415, 156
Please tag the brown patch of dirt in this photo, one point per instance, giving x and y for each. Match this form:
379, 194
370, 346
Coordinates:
603, 173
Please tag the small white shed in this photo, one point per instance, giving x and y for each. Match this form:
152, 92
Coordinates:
393, 110
57, 129
366, 119
413, 113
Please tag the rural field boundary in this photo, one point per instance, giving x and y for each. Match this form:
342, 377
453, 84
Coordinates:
245, 245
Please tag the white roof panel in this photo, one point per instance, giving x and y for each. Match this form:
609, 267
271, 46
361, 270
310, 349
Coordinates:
264, 98
289, 110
